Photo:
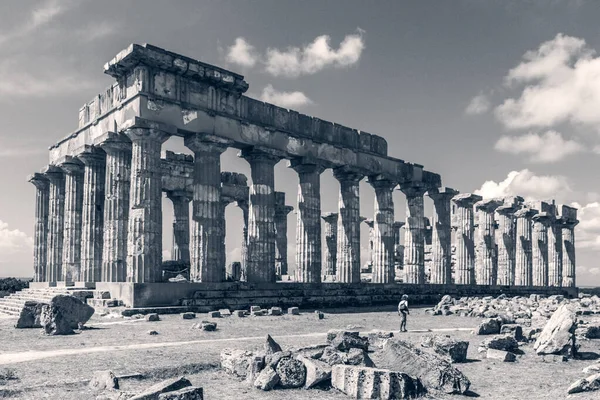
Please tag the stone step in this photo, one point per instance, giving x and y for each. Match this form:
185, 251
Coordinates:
104, 303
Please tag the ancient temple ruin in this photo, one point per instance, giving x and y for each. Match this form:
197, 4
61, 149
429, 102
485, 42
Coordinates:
99, 215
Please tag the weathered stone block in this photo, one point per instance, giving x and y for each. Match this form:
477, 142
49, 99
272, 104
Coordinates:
103, 380
239, 313
188, 315
316, 371
31, 314
500, 355
152, 317
456, 351
266, 379
236, 362
558, 336
372, 383
275, 311
188, 393
168, 385
293, 311
214, 314
292, 373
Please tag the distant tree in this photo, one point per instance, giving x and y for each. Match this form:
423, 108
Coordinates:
12, 285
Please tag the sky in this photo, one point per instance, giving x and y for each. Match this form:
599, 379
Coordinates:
500, 97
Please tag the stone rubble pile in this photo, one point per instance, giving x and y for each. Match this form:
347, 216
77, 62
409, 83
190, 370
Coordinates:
106, 385
61, 316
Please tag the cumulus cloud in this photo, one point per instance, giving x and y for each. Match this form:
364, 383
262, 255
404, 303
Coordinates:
541, 148
39, 16
284, 99
527, 184
559, 82
588, 231
14, 242
242, 53
479, 104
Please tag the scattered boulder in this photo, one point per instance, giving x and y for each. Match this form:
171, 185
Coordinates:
254, 309
591, 383
319, 314
293, 311
267, 379
515, 330
236, 362
188, 315
434, 371
455, 350
188, 393
168, 385
273, 359
358, 357
292, 373
346, 340
31, 314
333, 357
275, 311
256, 365
271, 346
501, 355
239, 313
489, 327
214, 314
104, 380
501, 342
152, 333
64, 314
558, 336
152, 317
316, 371
225, 312
371, 383
377, 339
208, 326
588, 332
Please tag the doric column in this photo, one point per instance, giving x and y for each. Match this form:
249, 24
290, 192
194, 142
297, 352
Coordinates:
144, 236
116, 206
371, 225
72, 225
506, 241
414, 234
181, 225
40, 238
281, 240
382, 250
308, 226
486, 267
208, 261
555, 244
56, 211
243, 205
330, 242
568, 223
465, 245
441, 240
348, 233
92, 225
541, 222
260, 265
524, 260
398, 249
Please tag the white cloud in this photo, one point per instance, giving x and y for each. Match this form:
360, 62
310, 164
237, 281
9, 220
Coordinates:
560, 83
296, 61
587, 234
14, 242
479, 104
284, 99
242, 53
41, 15
546, 148
528, 185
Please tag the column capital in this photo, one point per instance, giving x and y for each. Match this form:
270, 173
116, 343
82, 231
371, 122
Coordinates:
466, 199
347, 174
488, 205
507, 210
53, 173
112, 142
146, 134
381, 182
567, 223
544, 218
71, 165
259, 153
175, 195
398, 224
91, 155
526, 213
282, 211
413, 189
202, 142
441, 193
39, 180
330, 218
306, 165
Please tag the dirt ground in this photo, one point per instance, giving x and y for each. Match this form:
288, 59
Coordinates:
33, 366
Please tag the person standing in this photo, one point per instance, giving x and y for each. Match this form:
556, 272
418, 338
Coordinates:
403, 312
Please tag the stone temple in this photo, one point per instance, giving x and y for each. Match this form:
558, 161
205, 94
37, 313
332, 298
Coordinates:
98, 219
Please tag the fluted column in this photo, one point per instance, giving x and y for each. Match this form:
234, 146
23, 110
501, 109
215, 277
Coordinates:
208, 261
308, 226
541, 222
144, 236
555, 244
398, 249
524, 256
414, 237
281, 239
331, 220
348, 227
116, 207
72, 221
40, 238
371, 224
56, 211
382, 254
260, 265
92, 225
568, 223
465, 245
506, 235
243, 205
441, 240
486, 267
181, 225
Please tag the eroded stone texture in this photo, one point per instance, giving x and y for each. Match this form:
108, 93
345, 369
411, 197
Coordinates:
116, 206
568, 223
56, 209
181, 225
348, 233
506, 241
554, 249
40, 238
524, 255
144, 236
383, 235
441, 240
92, 224
541, 222
331, 220
486, 263
281, 240
260, 265
414, 235
465, 245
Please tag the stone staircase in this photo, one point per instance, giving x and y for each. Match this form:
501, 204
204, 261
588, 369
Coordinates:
11, 305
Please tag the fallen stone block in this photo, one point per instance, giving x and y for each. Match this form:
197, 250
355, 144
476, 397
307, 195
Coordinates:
455, 351
273, 359
236, 362
208, 326
346, 340
253, 309
292, 373
225, 312
372, 383
168, 385
239, 313
434, 371
316, 371
152, 333
319, 315
500, 355
271, 346
377, 339
188, 393
515, 330
63, 314
214, 314
30, 316
358, 357
152, 317
293, 311
591, 383
332, 356
275, 311
103, 380
558, 336
504, 342
256, 365
266, 379
188, 315
489, 327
